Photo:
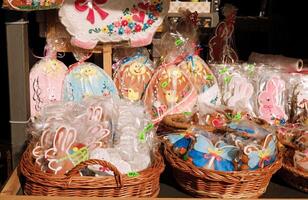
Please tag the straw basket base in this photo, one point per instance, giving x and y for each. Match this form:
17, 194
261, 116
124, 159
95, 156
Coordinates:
34, 189
38, 183
200, 188
294, 178
291, 175
216, 184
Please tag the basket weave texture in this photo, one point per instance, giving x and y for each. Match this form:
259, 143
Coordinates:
217, 184
39, 183
291, 175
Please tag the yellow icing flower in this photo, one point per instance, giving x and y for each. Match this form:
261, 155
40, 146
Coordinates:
129, 18
105, 29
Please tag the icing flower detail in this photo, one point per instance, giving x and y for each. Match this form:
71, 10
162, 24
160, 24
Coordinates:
105, 29
128, 31
121, 31
131, 25
124, 23
150, 21
151, 16
138, 28
110, 27
117, 24
145, 27
129, 18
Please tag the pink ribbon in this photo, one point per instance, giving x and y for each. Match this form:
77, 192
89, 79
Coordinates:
269, 107
209, 156
83, 5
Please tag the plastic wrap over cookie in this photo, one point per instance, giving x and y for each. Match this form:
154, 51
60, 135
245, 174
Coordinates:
91, 21
132, 76
298, 98
68, 131
133, 141
203, 79
236, 86
46, 80
271, 98
170, 91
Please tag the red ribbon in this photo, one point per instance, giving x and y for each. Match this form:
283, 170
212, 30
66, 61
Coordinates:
83, 5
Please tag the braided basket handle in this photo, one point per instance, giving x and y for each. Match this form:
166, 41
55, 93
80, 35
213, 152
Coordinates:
82, 165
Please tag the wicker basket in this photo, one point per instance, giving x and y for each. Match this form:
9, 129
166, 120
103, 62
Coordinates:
39, 183
216, 184
292, 176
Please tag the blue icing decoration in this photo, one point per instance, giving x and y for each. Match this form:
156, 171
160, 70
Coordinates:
85, 80
218, 157
121, 31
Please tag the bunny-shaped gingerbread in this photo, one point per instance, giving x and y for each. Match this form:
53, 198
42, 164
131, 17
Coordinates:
97, 134
269, 107
66, 152
39, 150
242, 92
94, 135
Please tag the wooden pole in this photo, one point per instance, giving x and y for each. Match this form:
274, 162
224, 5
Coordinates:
107, 59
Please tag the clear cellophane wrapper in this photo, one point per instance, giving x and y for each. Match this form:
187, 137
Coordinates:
237, 85
297, 95
271, 98
171, 89
105, 128
132, 74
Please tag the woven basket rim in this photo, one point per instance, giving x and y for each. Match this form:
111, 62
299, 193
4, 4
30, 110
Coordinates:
290, 167
237, 176
33, 173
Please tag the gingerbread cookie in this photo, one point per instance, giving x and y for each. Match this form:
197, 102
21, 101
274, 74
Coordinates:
198, 72
170, 91
133, 76
46, 79
87, 79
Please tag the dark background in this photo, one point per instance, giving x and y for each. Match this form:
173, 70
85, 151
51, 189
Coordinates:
285, 32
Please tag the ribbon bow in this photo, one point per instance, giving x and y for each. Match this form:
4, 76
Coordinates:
213, 155
263, 160
269, 107
83, 5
